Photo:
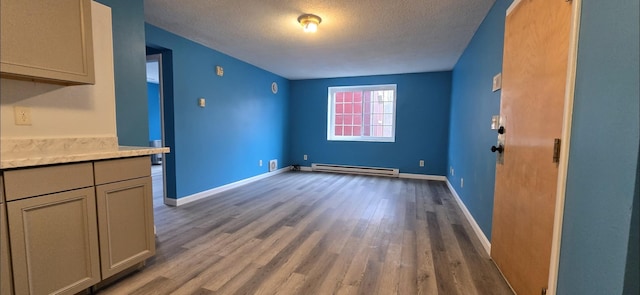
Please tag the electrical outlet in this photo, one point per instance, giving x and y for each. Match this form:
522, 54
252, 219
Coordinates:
421, 163
260, 163
22, 115
461, 182
452, 172
305, 157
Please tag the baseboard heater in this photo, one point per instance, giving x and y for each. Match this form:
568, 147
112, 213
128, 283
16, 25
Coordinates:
355, 170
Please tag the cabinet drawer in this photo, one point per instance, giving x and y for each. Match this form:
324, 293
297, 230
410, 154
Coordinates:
121, 169
24, 183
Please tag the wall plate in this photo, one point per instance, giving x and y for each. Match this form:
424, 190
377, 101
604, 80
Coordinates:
22, 115
495, 122
497, 82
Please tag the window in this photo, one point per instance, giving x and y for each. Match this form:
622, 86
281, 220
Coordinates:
362, 113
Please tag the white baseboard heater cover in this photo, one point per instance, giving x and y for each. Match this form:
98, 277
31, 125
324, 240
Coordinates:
391, 172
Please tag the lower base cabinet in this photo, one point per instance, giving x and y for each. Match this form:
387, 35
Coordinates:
72, 226
6, 280
54, 243
125, 219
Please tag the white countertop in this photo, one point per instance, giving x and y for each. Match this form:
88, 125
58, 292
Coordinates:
36, 152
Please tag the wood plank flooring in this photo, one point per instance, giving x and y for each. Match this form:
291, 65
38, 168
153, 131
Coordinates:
317, 233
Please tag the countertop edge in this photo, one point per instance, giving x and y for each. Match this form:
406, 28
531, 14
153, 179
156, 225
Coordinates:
22, 161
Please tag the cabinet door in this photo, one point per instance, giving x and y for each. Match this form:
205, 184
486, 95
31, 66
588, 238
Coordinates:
54, 242
125, 220
6, 281
47, 40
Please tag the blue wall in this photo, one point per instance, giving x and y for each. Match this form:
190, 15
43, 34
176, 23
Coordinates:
422, 124
242, 123
153, 95
603, 161
130, 71
472, 105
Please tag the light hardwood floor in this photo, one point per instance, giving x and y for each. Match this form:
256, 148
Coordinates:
318, 233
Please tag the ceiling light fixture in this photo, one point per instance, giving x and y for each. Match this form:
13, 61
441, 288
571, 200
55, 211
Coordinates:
309, 22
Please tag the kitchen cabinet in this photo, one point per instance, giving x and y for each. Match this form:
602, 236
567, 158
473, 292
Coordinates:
125, 213
6, 280
54, 243
53, 229
71, 226
47, 41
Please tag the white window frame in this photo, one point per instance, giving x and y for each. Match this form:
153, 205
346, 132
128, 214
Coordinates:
331, 112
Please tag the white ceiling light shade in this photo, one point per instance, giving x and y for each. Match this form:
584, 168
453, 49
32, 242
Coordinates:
309, 22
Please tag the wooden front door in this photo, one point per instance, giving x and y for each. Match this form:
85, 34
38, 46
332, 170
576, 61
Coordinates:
536, 47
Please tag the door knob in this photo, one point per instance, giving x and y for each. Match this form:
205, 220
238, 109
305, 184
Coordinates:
499, 149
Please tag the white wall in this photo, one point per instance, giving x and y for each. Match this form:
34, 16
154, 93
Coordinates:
67, 111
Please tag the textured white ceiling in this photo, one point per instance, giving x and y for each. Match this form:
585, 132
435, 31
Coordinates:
355, 38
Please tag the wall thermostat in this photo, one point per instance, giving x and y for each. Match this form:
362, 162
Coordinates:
274, 87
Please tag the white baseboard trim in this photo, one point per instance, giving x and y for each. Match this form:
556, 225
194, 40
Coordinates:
305, 168
171, 202
422, 176
476, 228
226, 187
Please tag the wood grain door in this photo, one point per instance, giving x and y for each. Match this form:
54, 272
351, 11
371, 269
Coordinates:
536, 48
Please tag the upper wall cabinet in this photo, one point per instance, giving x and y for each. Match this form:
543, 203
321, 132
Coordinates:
47, 41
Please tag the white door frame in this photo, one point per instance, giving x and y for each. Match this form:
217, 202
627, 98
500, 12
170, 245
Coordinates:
158, 58
564, 152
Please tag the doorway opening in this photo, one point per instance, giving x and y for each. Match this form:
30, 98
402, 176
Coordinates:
156, 127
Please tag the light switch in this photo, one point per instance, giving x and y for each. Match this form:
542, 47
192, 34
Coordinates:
202, 102
495, 122
497, 82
